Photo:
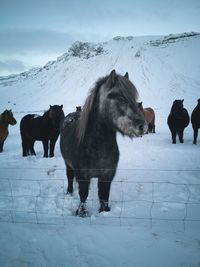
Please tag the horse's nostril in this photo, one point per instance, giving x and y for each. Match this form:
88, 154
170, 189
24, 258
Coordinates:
141, 128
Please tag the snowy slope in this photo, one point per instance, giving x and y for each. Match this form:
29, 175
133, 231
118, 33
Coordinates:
156, 65
155, 203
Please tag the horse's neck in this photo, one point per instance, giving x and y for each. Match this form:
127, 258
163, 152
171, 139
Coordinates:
3, 122
46, 119
176, 110
101, 128
198, 106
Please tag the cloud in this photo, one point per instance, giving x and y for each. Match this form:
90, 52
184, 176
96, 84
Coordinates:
12, 66
45, 41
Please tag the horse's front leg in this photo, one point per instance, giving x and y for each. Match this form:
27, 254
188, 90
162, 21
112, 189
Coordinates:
45, 146
195, 136
83, 193
104, 192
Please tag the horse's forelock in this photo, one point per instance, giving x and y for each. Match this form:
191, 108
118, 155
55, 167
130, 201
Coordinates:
128, 89
177, 106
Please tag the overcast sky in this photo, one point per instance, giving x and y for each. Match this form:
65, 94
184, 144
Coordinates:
35, 31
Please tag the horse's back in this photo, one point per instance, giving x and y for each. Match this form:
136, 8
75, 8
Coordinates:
31, 125
68, 142
195, 117
179, 120
149, 114
150, 110
186, 118
28, 121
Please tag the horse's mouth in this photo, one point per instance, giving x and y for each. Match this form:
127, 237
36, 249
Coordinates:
129, 129
135, 133
13, 122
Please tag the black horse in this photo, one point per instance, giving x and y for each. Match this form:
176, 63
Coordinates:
195, 119
178, 120
88, 138
44, 128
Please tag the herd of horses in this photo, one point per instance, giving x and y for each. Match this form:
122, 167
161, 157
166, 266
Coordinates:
88, 141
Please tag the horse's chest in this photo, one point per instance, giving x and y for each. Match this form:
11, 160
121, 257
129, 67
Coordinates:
101, 156
3, 132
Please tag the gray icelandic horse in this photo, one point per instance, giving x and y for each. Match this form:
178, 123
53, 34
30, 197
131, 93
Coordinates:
88, 138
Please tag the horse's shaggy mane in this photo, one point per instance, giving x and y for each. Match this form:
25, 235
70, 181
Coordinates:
128, 90
2, 115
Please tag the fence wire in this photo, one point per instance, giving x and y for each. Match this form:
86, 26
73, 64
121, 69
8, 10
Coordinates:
44, 200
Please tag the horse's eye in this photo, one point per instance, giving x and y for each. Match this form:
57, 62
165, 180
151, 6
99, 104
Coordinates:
121, 99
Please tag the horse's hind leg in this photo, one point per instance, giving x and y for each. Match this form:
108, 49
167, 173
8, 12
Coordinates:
173, 133
180, 135
31, 147
70, 177
45, 146
1, 146
104, 192
24, 147
153, 125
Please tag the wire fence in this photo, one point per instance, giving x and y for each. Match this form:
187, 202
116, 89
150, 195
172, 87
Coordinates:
39, 197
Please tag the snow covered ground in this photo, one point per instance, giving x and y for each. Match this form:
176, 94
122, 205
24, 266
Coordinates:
155, 196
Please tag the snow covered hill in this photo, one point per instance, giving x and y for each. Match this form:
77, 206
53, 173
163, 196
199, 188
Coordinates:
155, 196
160, 67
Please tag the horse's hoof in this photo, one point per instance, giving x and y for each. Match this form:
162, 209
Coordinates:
70, 190
104, 207
69, 193
82, 211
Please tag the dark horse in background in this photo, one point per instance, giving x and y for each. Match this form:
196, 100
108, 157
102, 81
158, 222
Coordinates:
195, 119
178, 120
6, 118
149, 116
44, 128
88, 138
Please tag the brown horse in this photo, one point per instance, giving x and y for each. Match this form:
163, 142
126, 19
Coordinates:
6, 118
149, 116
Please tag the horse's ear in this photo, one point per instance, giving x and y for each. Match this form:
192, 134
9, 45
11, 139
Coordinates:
50, 106
126, 75
182, 100
61, 106
112, 78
